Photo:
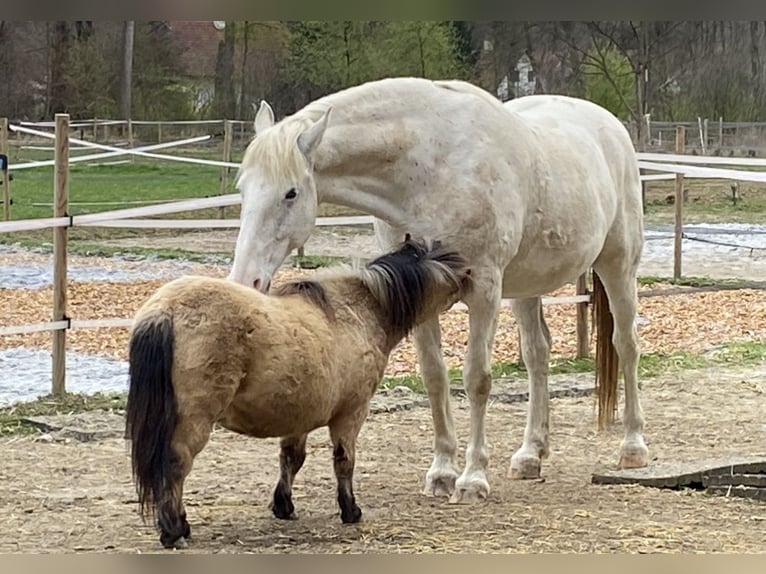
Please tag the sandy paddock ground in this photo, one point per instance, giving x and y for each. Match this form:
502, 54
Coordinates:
68, 496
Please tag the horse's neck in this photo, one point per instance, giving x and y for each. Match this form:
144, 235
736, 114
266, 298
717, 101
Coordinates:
359, 165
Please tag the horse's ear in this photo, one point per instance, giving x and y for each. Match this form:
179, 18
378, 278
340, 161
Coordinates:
264, 117
309, 139
407, 237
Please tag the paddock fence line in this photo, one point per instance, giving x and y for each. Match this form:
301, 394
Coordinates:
132, 217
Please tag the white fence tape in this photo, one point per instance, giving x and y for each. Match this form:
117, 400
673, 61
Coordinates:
121, 151
703, 159
96, 156
705, 172
213, 223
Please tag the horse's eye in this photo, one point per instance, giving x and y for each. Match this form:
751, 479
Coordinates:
292, 194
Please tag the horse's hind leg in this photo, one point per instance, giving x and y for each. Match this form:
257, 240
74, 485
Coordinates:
292, 454
343, 432
620, 284
189, 439
440, 478
536, 346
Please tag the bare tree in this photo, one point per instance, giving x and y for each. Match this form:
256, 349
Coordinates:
126, 85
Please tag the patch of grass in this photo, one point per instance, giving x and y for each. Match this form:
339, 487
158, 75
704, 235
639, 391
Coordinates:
709, 201
650, 365
71, 403
692, 281
315, 261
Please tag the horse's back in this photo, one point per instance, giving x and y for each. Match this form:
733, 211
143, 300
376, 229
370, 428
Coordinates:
584, 120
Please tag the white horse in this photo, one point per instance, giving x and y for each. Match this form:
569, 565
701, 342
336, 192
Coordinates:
533, 194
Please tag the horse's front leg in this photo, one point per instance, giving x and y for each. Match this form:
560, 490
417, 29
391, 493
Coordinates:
343, 433
483, 308
536, 346
292, 454
440, 478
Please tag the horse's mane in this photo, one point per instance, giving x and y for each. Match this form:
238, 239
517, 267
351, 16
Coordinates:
275, 151
402, 280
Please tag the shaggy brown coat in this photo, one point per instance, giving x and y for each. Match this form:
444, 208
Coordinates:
206, 350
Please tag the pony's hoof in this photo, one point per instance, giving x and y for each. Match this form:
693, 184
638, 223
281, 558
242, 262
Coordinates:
284, 512
524, 467
181, 543
175, 543
634, 455
352, 516
470, 491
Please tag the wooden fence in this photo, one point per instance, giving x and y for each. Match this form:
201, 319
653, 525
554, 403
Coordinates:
137, 217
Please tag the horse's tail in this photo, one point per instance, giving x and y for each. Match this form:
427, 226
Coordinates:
151, 413
607, 360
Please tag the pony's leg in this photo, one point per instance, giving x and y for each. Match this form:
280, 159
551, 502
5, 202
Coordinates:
440, 478
620, 285
292, 454
536, 347
343, 433
484, 307
189, 439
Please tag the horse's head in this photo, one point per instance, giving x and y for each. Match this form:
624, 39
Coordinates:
279, 197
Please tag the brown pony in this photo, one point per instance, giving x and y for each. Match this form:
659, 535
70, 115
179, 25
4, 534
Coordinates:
311, 354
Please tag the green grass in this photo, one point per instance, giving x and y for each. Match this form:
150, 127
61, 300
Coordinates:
709, 201
650, 365
11, 417
693, 281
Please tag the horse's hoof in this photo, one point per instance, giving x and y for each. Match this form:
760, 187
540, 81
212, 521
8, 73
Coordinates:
440, 481
633, 456
470, 491
440, 487
524, 467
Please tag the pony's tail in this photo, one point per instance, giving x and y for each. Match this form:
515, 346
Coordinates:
151, 412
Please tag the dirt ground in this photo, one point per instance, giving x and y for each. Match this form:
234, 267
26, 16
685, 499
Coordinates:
78, 496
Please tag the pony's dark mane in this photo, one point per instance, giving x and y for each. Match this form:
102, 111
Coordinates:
312, 291
402, 280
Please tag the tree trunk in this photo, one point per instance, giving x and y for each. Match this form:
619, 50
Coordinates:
60, 42
127, 69
225, 102
243, 94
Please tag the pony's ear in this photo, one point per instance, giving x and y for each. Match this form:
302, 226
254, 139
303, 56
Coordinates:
407, 237
311, 137
264, 117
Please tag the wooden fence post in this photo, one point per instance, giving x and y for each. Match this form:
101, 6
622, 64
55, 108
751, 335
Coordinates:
130, 138
60, 209
679, 204
583, 348
6, 179
228, 128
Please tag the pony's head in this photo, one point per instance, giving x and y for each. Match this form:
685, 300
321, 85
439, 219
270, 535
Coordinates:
279, 197
416, 281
